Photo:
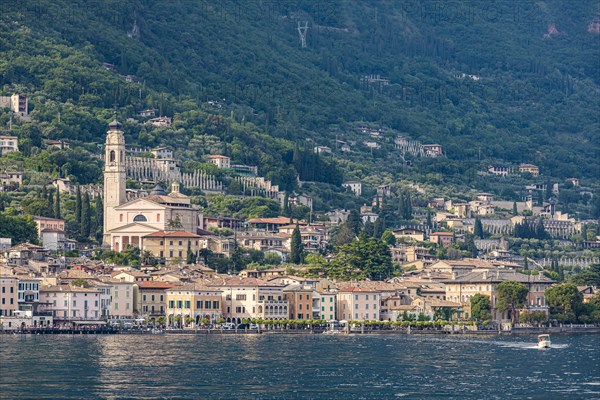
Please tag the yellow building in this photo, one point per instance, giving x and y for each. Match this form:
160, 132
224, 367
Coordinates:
485, 282
172, 246
192, 301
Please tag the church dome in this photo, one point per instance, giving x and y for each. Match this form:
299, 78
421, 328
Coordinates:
114, 125
158, 191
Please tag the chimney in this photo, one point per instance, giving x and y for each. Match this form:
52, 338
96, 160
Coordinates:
485, 275
453, 275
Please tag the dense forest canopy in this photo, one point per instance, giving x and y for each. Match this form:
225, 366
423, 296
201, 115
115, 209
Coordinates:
492, 82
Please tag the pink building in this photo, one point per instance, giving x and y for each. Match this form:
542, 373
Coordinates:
356, 303
71, 303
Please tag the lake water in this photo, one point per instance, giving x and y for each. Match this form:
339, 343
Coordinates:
298, 366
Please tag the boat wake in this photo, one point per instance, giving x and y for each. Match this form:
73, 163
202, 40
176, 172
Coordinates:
528, 346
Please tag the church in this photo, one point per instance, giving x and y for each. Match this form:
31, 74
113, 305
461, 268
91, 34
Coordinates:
127, 222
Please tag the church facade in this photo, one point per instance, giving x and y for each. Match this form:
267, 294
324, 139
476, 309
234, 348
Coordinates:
127, 222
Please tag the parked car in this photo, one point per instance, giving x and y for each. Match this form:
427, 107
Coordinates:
227, 326
253, 326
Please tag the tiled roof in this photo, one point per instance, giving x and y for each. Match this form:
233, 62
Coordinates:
68, 288
277, 220
173, 234
497, 276
154, 285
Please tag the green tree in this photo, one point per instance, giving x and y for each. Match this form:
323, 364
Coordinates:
590, 276
86, 217
366, 257
368, 228
19, 229
511, 296
191, 256
480, 307
478, 228
515, 210
80, 282
57, 213
345, 235
354, 221
99, 215
388, 237
378, 228
536, 317
78, 205
564, 301
296, 247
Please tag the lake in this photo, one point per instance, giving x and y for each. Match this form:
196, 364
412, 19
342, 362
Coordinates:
298, 366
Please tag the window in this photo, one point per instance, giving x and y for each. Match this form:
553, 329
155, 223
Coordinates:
179, 304
140, 218
199, 304
187, 304
355, 297
170, 253
206, 304
240, 297
74, 303
300, 297
367, 298
170, 243
112, 156
367, 315
161, 298
120, 217
375, 306
180, 253
300, 307
171, 304
331, 308
356, 316
366, 306
356, 306
180, 242
144, 297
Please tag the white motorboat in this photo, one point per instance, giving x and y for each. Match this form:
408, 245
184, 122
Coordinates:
543, 341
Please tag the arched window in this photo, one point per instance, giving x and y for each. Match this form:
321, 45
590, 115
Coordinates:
139, 218
112, 156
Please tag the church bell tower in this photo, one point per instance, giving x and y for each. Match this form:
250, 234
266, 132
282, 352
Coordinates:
114, 175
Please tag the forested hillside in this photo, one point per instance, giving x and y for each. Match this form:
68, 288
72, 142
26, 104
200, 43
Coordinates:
492, 82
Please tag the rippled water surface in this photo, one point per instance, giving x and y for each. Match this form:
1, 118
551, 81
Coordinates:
298, 366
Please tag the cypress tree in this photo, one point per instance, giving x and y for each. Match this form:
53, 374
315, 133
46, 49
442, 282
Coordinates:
297, 248
368, 228
429, 222
86, 217
99, 213
478, 228
515, 211
354, 221
407, 207
57, 205
78, 205
51, 204
378, 228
